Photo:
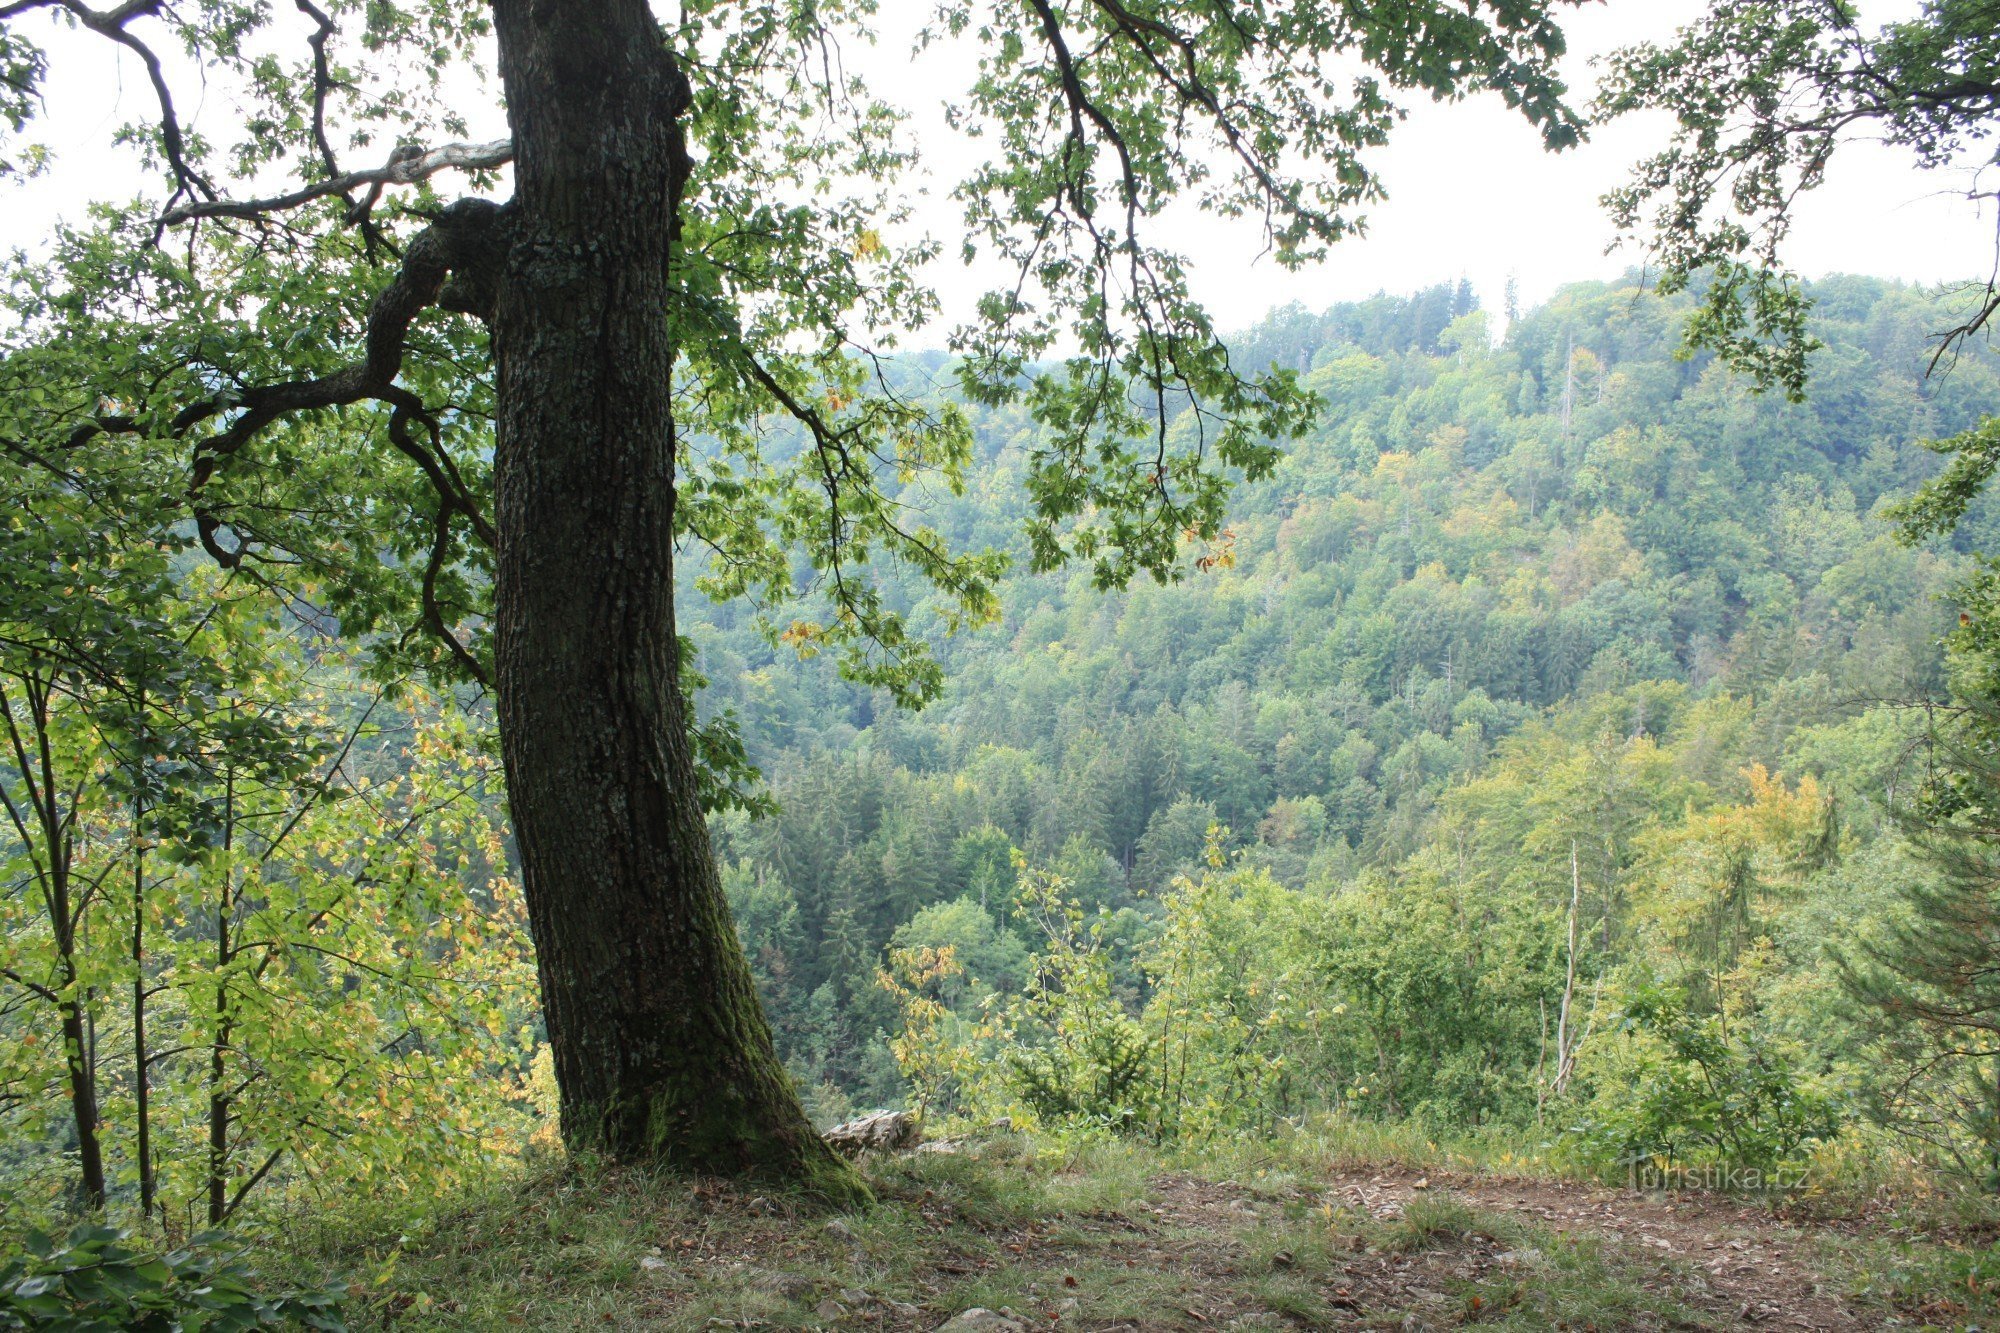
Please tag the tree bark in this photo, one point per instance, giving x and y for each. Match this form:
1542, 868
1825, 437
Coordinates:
662, 1052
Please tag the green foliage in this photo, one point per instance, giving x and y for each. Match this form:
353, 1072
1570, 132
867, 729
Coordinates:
1941, 503
98, 1279
992, 959
1762, 96
1074, 1058
1924, 985
1704, 1090
311, 966
1232, 1003
794, 285
1209, 1051
1424, 1023
1454, 643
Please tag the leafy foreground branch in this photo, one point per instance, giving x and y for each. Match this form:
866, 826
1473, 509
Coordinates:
102, 1278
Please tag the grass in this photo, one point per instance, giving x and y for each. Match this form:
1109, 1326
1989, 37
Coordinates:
1335, 1142
1280, 1232
1097, 1236
1949, 1280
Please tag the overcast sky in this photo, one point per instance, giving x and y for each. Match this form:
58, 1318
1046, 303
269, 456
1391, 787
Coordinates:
1472, 192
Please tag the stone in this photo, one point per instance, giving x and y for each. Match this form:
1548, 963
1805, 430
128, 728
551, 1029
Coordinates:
884, 1131
978, 1320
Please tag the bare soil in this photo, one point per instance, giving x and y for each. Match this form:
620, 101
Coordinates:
1200, 1254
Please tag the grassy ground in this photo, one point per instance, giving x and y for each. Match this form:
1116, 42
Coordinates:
1314, 1232
1093, 1240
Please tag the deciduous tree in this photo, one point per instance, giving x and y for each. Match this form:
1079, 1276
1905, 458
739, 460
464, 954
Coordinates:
670, 332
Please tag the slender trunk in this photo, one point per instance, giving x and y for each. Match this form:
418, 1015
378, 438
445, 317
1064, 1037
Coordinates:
1565, 1043
79, 1052
661, 1048
141, 1057
53, 824
218, 1051
83, 1104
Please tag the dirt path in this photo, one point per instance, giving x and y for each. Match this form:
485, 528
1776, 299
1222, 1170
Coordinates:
1373, 1248
1706, 1263
1731, 1261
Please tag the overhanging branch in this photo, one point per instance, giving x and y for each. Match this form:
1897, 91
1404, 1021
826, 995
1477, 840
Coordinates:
403, 168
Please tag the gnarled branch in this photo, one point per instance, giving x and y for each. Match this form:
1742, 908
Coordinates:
401, 169
465, 237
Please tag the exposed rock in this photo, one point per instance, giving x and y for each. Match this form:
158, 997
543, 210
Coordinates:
977, 1320
884, 1131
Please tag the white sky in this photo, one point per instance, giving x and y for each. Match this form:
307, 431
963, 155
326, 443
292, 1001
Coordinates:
1472, 192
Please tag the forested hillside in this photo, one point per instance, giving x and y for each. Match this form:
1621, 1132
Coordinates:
661, 667
1564, 763
1553, 665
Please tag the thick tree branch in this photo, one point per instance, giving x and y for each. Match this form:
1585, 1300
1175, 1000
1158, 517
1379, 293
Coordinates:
1191, 87
434, 611
464, 242
1080, 106
401, 169
322, 81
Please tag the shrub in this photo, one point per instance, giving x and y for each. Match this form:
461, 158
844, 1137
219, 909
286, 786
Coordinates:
97, 1280
1704, 1091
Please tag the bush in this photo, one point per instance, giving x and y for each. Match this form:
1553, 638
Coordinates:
1704, 1092
97, 1281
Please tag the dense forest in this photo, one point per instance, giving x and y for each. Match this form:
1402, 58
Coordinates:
582, 743
1539, 741
1550, 750
1556, 676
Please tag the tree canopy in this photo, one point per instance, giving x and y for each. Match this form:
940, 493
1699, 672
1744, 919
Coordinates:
1762, 97
274, 306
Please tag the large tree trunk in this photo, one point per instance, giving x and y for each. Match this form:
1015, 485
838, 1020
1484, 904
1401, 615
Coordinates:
661, 1048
